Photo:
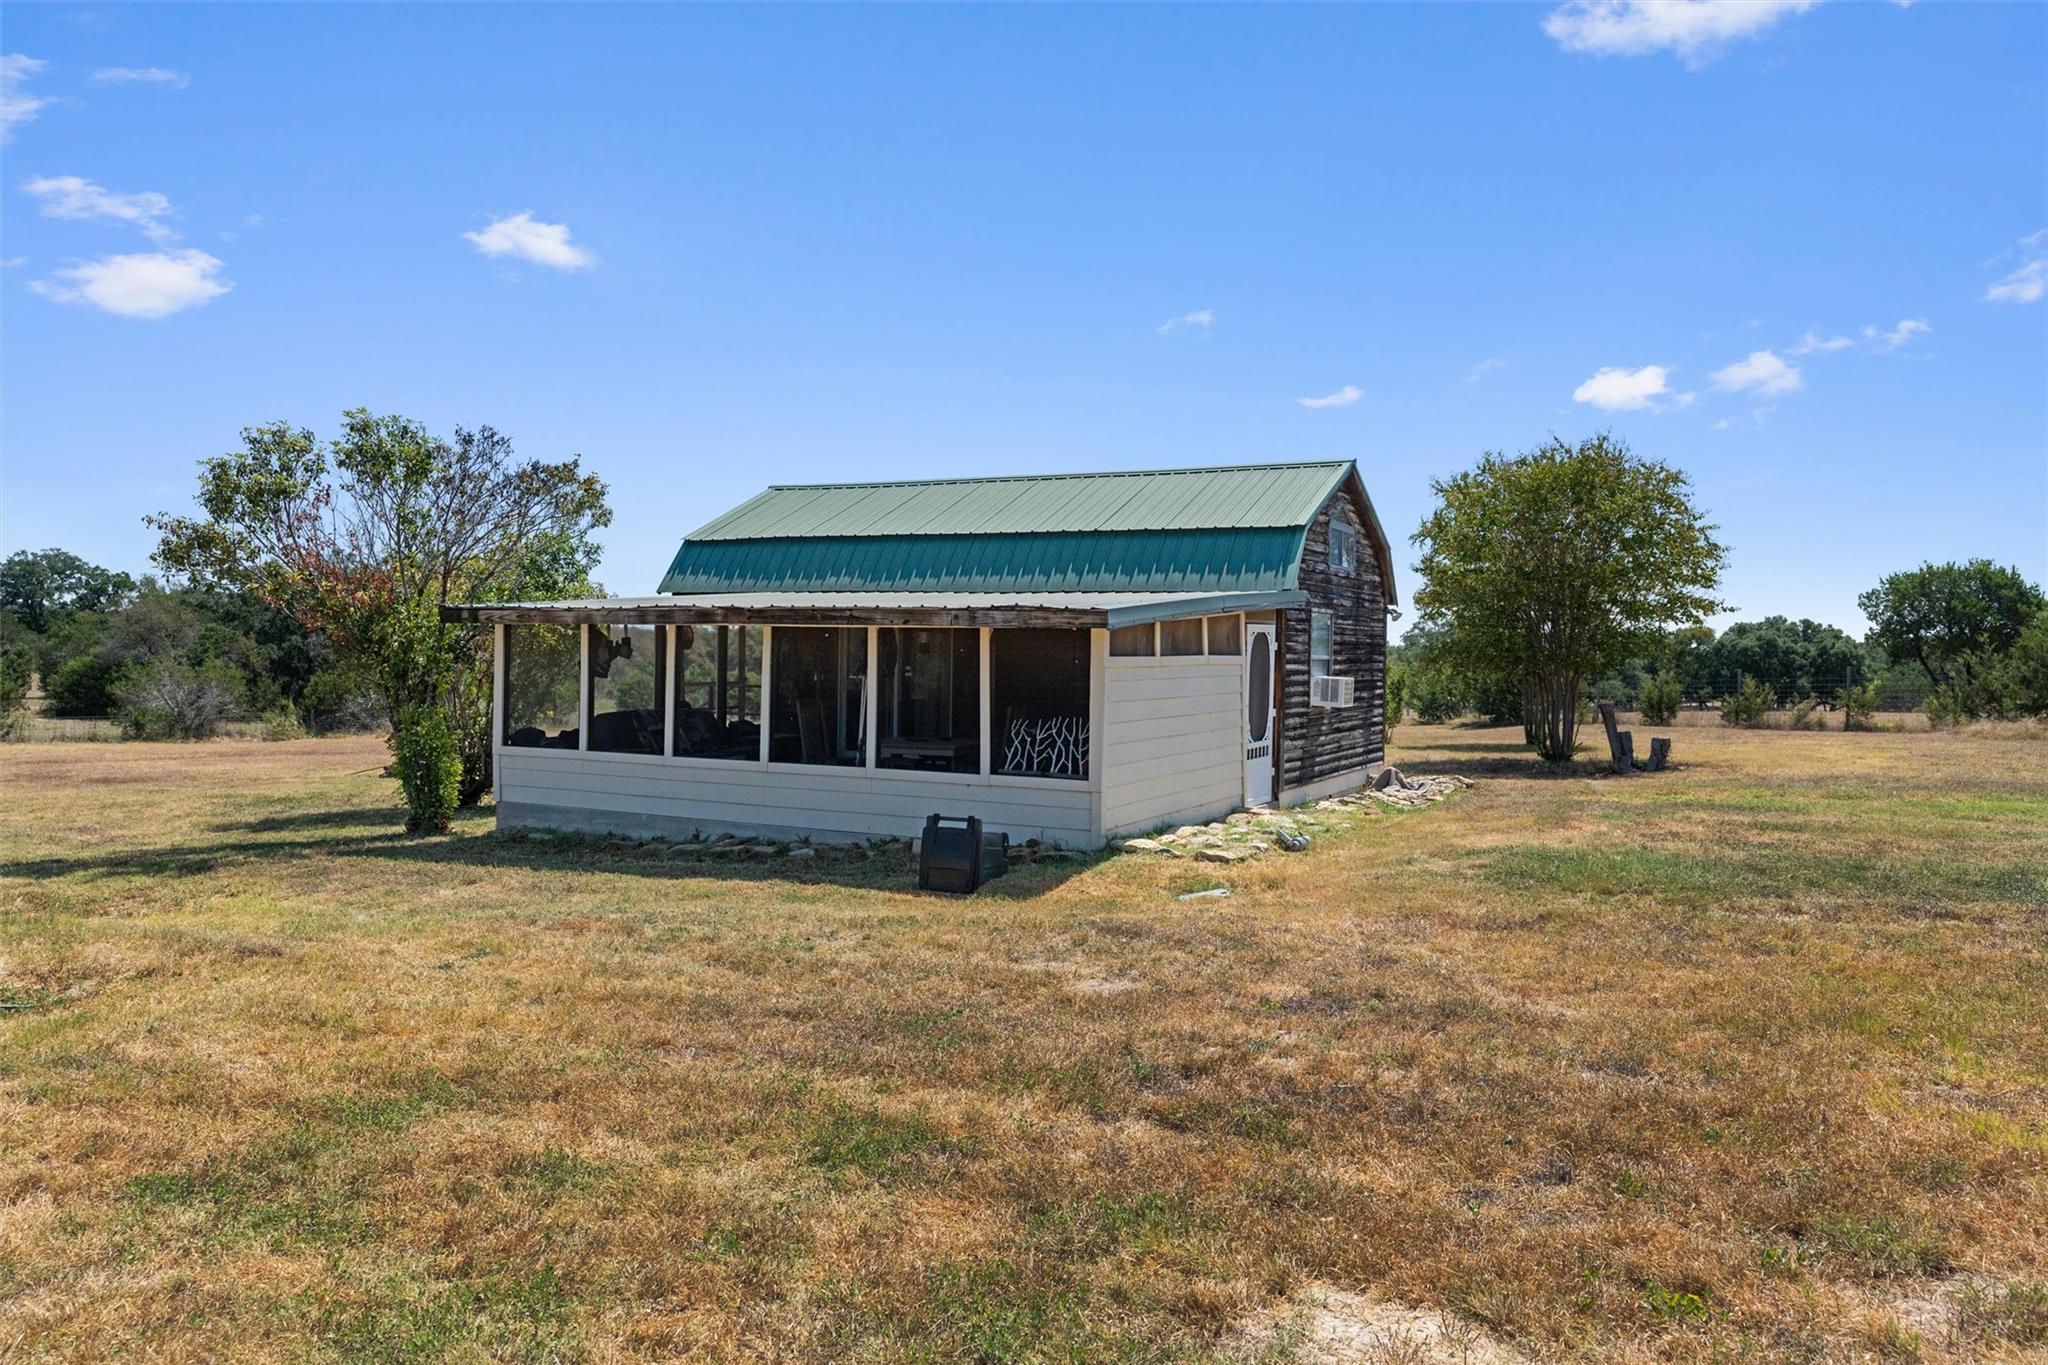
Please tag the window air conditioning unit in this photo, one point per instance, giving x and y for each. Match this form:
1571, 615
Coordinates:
1330, 691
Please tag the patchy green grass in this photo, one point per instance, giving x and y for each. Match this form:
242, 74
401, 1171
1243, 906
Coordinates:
1739, 1061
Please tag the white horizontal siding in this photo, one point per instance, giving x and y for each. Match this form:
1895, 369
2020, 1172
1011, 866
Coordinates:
1172, 740
586, 791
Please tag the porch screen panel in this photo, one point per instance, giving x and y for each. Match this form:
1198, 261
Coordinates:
718, 692
542, 686
929, 695
1038, 703
818, 702
628, 688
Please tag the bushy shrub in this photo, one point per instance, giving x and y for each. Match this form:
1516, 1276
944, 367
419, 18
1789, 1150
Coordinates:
1747, 706
86, 685
1397, 694
1948, 706
1660, 699
2016, 684
281, 722
337, 702
170, 700
1497, 698
1859, 706
1807, 715
16, 665
429, 764
1436, 694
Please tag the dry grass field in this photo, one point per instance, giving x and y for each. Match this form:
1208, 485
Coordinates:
1747, 1060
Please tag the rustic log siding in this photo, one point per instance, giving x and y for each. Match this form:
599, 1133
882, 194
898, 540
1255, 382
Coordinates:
1318, 742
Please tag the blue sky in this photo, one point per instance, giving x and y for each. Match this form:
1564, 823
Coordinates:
1794, 249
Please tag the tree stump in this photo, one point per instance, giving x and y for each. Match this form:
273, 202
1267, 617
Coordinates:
1660, 753
1620, 743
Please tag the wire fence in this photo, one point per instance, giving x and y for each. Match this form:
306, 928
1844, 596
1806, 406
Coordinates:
1895, 691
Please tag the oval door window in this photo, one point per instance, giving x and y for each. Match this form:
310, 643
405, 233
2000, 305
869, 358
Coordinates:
1261, 689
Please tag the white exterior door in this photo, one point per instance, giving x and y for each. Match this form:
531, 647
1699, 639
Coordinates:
1259, 687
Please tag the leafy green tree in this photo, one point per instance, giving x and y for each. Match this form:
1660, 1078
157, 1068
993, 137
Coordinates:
16, 666
1951, 619
1748, 704
40, 585
1859, 706
1436, 694
84, 685
1794, 658
365, 537
2016, 683
1556, 565
1660, 699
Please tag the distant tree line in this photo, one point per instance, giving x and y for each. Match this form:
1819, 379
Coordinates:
166, 660
1961, 641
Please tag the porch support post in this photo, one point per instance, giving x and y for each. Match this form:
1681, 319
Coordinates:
583, 690
767, 654
987, 758
870, 696
497, 691
1098, 683
668, 701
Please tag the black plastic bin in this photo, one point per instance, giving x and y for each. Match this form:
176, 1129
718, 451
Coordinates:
956, 856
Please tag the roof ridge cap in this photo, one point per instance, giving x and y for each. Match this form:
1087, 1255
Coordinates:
1067, 474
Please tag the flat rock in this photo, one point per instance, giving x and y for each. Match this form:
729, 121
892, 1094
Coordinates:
803, 853
1221, 855
1139, 846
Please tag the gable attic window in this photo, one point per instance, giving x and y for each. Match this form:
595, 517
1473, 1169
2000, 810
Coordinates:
1343, 546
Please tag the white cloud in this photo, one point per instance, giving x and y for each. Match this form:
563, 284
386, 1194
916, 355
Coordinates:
16, 104
1898, 336
1694, 30
151, 284
1342, 398
1724, 424
1485, 368
1813, 342
1763, 372
2025, 285
542, 243
1616, 388
71, 196
1204, 318
140, 75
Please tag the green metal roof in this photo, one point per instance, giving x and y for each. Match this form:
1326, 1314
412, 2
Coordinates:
1152, 500
1256, 559
1233, 529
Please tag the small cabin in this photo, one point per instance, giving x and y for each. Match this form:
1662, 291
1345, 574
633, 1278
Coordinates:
1070, 657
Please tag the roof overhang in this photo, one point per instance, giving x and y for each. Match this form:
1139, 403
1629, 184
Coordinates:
1008, 610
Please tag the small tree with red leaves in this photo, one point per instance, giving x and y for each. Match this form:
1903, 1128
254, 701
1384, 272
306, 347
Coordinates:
365, 537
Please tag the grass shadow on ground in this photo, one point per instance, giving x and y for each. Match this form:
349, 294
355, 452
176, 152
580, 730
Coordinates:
330, 835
